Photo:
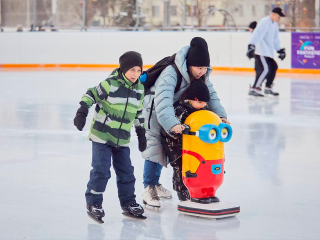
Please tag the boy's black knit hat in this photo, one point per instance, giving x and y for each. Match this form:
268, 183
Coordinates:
198, 55
129, 60
198, 91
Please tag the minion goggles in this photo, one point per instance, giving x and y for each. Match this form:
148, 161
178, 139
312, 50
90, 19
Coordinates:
210, 133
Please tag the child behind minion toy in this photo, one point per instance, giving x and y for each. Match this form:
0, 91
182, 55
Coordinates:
195, 98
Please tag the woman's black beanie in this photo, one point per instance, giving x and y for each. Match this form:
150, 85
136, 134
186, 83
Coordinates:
198, 55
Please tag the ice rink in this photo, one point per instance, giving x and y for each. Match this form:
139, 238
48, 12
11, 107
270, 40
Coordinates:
272, 164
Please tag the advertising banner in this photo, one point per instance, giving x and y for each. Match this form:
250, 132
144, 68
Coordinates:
305, 50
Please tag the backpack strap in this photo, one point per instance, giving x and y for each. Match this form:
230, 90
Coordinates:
179, 78
179, 81
150, 113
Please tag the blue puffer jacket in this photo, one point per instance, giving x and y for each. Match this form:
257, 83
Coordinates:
163, 112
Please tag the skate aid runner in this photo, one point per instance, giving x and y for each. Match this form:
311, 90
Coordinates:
118, 102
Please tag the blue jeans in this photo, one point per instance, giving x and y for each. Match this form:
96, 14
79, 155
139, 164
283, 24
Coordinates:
100, 174
151, 173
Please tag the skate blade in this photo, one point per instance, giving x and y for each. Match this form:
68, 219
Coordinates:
271, 96
95, 219
166, 197
251, 97
146, 204
133, 216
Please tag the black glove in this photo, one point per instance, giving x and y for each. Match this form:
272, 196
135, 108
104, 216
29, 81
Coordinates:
80, 119
282, 53
251, 50
186, 129
141, 133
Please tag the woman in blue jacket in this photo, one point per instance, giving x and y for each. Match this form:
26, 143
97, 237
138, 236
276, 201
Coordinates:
193, 62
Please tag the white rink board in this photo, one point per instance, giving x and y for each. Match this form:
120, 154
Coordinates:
227, 49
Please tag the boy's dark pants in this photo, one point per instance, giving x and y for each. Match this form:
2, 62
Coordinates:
100, 174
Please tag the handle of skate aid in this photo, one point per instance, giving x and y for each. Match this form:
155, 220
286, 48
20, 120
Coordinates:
186, 129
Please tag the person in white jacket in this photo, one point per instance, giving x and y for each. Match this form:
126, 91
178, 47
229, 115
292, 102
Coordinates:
263, 42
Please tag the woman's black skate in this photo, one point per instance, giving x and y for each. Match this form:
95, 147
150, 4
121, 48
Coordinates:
96, 213
134, 210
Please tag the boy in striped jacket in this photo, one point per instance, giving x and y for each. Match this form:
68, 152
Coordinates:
118, 102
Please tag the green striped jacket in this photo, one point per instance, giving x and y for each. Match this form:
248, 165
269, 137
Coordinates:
119, 106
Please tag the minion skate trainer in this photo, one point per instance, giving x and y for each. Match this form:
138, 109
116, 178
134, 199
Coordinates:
203, 166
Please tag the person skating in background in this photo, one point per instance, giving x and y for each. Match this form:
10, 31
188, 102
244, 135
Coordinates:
193, 62
19, 28
264, 40
118, 102
194, 99
252, 26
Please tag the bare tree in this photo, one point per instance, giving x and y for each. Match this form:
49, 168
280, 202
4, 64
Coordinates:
44, 12
200, 9
125, 17
90, 10
301, 13
105, 7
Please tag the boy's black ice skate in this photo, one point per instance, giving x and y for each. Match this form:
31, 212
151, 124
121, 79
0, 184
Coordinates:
134, 210
269, 92
96, 213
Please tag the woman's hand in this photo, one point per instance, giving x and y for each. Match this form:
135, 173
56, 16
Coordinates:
225, 121
177, 128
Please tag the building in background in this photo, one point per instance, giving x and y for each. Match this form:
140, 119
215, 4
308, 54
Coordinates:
196, 13
18, 12
246, 11
0, 14
155, 13
301, 13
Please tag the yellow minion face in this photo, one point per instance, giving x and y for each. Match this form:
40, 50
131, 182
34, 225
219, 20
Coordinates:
207, 134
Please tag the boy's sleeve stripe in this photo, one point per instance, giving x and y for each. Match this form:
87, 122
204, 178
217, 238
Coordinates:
90, 93
139, 120
89, 96
140, 91
105, 86
102, 94
87, 100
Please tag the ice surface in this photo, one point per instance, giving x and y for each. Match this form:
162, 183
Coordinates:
272, 164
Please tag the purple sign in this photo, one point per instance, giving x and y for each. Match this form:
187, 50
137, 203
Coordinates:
305, 50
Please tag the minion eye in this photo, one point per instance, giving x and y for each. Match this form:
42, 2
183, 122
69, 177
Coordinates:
212, 134
224, 133
209, 133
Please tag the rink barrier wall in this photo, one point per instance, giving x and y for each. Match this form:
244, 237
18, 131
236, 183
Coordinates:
112, 66
54, 50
